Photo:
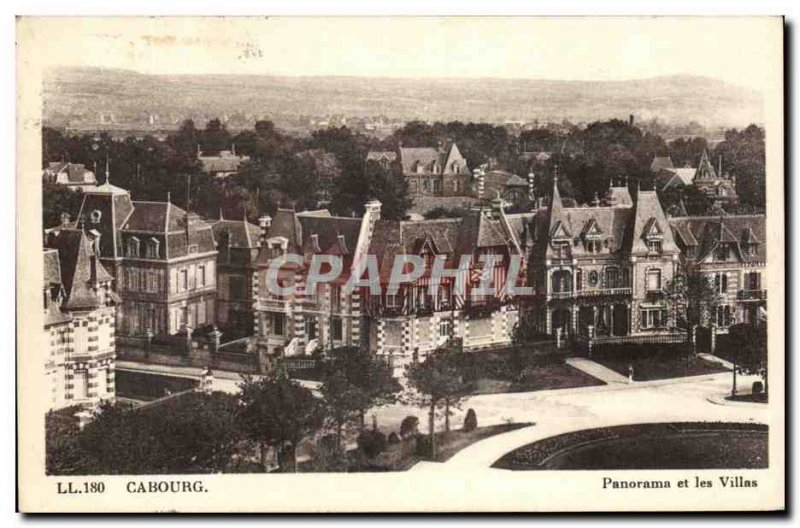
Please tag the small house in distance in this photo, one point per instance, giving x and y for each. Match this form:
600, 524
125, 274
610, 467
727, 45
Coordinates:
222, 165
71, 175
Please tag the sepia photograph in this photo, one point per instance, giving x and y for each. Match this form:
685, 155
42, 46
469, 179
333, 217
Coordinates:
261, 258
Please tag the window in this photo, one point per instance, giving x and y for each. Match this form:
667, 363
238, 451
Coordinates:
336, 328
753, 280
653, 280
336, 299
579, 280
721, 282
444, 295
392, 300
201, 275
654, 247
81, 384
593, 278
279, 324
133, 247
311, 328
151, 248
722, 252
184, 316
445, 328
593, 246
654, 318
612, 278
724, 316
184, 279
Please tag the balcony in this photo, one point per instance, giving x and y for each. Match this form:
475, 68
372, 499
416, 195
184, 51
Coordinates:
597, 292
752, 295
272, 305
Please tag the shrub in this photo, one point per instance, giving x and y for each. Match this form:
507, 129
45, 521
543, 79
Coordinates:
409, 427
470, 421
758, 387
422, 446
371, 443
393, 439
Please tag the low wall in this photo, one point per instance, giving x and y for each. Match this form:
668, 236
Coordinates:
200, 355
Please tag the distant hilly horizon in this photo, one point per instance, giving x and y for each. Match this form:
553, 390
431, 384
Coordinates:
83, 93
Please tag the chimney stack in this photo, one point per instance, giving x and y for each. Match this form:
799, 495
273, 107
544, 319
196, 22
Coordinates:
630, 120
531, 186
264, 223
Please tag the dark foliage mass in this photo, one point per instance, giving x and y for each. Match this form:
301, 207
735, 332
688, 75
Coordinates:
288, 171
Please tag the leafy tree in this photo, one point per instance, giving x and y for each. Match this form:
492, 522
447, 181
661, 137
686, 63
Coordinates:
409, 427
190, 433
693, 298
343, 401
56, 200
470, 421
278, 413
215, 137
368, 375
744, 156
437, 384
686, 152
750, 349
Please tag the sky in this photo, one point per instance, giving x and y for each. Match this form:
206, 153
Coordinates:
729, 48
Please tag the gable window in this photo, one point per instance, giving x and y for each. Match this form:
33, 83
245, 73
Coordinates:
151, 248
392, 300
722, 252
593, 246
133, 247
444, 295
654, 247
653, 280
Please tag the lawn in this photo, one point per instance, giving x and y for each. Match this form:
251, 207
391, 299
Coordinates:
751, 398
520, 370
715, 445
654, 362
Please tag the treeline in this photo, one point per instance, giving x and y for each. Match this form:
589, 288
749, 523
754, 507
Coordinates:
288, 171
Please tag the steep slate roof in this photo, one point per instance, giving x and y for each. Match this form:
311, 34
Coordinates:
154, 217
78, 271
680, 177
661, 162
379, 155
52, 267
242, 233
649, 213
334, 234
705, 170
76, 172
410, 157
705, 232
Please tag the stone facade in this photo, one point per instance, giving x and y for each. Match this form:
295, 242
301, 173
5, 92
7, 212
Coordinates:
600, 270
161, 258
80, 315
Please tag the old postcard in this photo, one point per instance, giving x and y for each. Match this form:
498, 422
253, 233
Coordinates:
400, 264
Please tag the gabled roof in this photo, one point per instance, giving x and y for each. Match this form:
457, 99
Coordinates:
737, 230
648, 216
705, 170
